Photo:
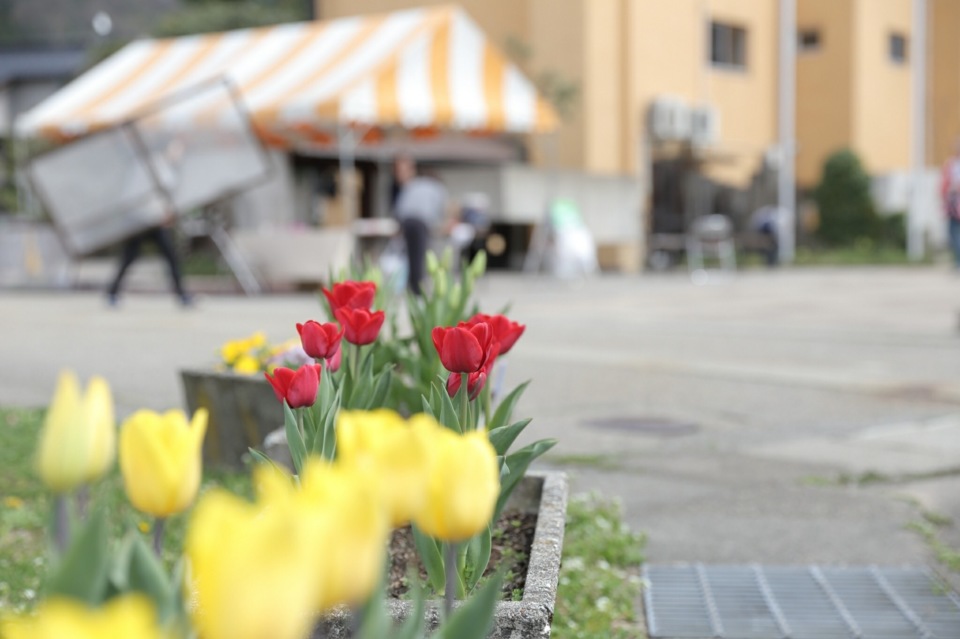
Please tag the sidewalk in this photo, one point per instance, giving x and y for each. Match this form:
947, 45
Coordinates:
781, 417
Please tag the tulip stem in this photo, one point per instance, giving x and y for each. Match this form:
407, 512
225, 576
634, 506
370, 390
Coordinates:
464, 402
61, 522
450, 568
83, 501
159, 525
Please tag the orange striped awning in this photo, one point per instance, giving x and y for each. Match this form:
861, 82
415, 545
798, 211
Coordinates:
419, 69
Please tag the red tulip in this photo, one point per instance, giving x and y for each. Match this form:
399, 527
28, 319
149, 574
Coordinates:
464, 349
475, 382
360, 326
505, 331
350, 294
333, 362
320, 341
299, 387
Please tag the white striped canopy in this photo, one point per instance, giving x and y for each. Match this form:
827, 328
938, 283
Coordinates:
421, 69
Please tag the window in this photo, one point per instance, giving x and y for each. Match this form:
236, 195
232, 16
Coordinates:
898, 48
808, 40
728, 45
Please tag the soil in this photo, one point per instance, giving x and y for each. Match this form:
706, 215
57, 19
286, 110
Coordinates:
510, 548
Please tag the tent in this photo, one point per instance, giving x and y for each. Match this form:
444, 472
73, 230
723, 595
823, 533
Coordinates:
421, 69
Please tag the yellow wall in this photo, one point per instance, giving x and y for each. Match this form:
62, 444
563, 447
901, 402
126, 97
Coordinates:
881, 87
943, 79
747, 100
824, 86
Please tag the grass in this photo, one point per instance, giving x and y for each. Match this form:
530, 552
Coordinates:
600, 582
600, 462
861, 254
25, 510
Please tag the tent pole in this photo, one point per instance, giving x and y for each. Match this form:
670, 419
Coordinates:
347, 144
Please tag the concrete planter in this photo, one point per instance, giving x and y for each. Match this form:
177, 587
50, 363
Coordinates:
243, 410
544, 493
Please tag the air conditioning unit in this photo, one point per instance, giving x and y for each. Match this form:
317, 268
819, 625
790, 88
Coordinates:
704, 127
669, 119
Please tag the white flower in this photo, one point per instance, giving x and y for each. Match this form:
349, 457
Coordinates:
603, 604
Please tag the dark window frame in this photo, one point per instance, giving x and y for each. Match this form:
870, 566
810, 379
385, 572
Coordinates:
727, 45
898, 47
809, 39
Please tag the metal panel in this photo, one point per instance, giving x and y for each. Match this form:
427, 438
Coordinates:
695, 601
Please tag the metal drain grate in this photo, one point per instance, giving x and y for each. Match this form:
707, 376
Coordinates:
696, 601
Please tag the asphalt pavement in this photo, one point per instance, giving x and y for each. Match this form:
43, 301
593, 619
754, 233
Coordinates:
802, 415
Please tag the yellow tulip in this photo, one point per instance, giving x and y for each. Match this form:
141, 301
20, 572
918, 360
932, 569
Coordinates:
382, 443
160, 459
78, 440
247, 365
353, 529
252, 569
122, 618
463, 487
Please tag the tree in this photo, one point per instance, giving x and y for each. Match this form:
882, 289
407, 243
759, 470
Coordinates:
843, 197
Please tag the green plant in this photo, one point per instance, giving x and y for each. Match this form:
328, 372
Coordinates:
599, 577
843, 197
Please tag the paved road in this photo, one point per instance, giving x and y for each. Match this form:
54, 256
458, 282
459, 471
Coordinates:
796, 416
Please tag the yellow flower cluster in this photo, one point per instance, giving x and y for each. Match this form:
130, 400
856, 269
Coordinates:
304, 548
267, 568
245, 356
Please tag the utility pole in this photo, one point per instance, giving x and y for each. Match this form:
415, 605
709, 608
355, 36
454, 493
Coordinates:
786, 180
918, 53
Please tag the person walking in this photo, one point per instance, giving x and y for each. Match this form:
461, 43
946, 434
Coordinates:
165, 166
950, 192
420, 209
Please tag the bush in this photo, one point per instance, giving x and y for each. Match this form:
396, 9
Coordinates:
843, 197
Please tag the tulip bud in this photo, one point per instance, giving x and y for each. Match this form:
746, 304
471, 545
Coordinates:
78, 440
455, 294
433, 266
463, 485
160, 459
479, 265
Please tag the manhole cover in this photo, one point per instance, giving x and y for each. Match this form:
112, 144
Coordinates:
780, 602
654, 426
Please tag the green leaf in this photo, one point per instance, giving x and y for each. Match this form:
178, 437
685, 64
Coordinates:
505, 409
478, 556
504, 436
298, 448
449, 416
427, 408
84, 571
518, 463
146, 575
374, 622
414, 626
429, 551
330, 427
381, 388
260, 458
474, 618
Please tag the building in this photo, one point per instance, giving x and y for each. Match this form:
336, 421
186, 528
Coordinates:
633, 61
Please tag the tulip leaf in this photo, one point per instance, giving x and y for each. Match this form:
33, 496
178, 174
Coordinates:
84, 571
478, 556
373, 622
329, 444
504, 436
381, 389
505, 409
518, 463
474, 618
429, 552
413, 626
449, 416
427, 408
146, 575
298, 448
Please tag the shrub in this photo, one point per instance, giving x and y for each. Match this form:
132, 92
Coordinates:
843, 197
